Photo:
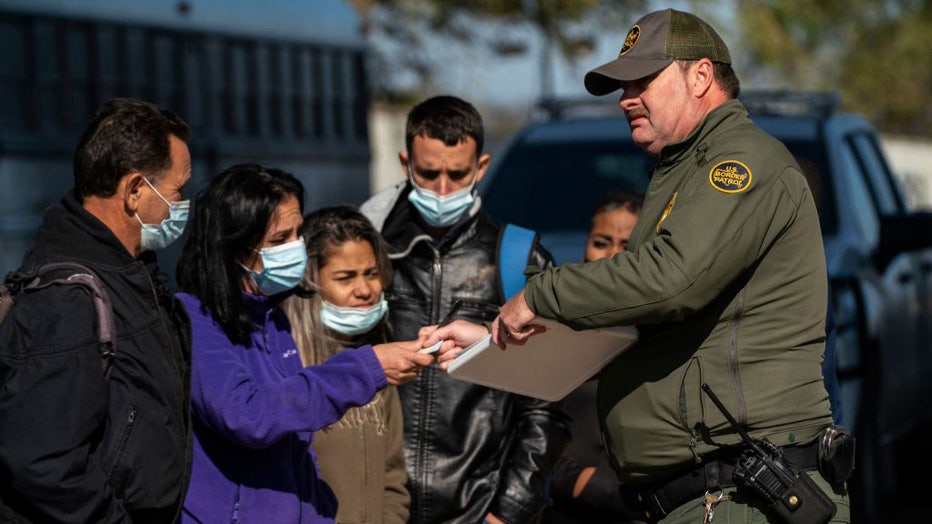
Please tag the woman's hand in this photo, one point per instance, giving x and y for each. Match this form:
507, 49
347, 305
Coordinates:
401, 361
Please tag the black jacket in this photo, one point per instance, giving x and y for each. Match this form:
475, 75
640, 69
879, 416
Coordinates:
599, 502
470, 450
75, 447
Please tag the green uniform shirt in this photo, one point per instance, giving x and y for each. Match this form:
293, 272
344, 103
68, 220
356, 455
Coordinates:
725, 278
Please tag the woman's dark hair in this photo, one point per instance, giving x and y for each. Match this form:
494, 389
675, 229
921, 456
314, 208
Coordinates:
631, 201
329, 227
230, 218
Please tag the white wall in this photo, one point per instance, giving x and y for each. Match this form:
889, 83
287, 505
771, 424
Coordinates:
911, 160
386, 139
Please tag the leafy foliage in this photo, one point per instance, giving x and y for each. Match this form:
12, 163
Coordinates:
404, 31
878, 54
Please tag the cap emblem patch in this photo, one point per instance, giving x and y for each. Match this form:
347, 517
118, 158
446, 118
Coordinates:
730, 176
633, 34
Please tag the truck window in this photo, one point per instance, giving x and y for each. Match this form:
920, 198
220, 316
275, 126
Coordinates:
859, 201
560, 183
881, 180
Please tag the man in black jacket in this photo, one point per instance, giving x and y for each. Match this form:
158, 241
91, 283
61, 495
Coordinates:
78, 444
473, 454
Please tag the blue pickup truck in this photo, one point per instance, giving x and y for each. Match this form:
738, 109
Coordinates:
877, 250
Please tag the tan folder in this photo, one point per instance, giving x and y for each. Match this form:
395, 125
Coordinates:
548, 366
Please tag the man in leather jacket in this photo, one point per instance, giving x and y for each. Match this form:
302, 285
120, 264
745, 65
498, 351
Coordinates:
83, 438
473, 453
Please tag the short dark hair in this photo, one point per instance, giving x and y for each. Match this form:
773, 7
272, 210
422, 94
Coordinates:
230, 218
723, 73
125, 136
727, 79
445, 118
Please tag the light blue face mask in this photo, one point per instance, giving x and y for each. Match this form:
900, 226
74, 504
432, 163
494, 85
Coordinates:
442, 211
161, 235
352, 320
282, 267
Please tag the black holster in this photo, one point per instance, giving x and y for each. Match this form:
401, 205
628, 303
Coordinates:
836, 455
789, 491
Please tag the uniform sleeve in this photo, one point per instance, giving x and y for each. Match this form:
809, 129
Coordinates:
255, 411
709, 239
397, 499
53, 406
541, 433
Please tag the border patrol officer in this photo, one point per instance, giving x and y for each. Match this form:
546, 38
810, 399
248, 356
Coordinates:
725, 278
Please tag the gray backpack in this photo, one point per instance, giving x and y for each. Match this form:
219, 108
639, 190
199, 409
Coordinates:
65, 274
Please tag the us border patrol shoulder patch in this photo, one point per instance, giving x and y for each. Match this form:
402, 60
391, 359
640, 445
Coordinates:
730, 176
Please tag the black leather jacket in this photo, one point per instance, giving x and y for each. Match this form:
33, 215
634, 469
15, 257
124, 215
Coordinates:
470, 450
86, 449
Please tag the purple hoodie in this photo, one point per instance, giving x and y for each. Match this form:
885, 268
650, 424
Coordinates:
255, 410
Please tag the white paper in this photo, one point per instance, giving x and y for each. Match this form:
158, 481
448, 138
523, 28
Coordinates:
433, 348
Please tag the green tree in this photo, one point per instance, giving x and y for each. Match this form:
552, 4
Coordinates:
402, 32
878, 54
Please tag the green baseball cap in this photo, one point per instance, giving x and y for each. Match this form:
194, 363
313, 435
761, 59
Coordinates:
653, 43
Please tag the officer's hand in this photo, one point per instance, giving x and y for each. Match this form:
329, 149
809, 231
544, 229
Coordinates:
513, 324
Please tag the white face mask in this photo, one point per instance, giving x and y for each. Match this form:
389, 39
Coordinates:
445, 210
161, 235
352, 320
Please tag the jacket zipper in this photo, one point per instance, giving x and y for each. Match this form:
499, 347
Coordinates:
175, 357
437, 281
733, 365
173, 351
234, 518
127, 431
426, 388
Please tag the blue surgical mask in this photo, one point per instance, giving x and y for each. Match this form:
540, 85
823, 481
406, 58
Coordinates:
352, 320
282, 267
445, 210
161, 235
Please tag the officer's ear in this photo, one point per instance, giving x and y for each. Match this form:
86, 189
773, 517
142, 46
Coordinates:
700, 77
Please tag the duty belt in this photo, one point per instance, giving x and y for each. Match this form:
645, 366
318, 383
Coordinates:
657, 499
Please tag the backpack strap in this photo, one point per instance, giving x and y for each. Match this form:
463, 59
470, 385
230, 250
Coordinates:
6, 300
71, 273
514, 253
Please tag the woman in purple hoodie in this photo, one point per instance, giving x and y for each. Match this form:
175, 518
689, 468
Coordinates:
255, 407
